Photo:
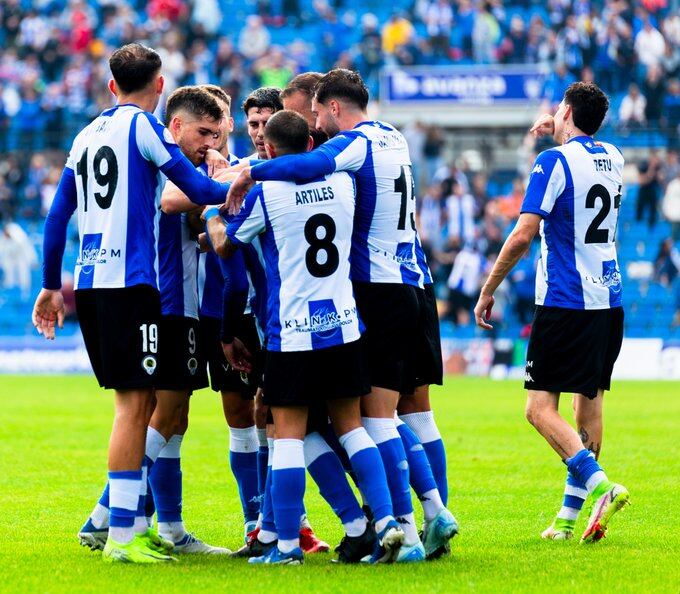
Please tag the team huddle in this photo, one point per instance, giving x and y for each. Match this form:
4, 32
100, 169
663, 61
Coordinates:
293, 282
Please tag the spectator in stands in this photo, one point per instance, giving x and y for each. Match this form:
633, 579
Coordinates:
479, 191
509, 206
439, 20
370, 58
460, 207
206, 16
485, 35
432, 151
396, 33
671, 112
667, 263
654, 89
556, 83
670, 206
523, 279
7, 200
273, 69
174, 60
649, 182
254, 39
632, 109
464, 282
649, 44
414, 132
17, 257
670, 61
513, 48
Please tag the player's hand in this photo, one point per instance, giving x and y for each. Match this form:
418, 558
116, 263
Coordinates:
238, 355
48, 309
226, 175
483, 311
215, 161
203, 243
239, 189
543, 126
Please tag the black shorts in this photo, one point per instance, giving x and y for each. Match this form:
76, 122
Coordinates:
391, 313
121, 334
573, 350
223, 378
305, 378
181, 363
426, 353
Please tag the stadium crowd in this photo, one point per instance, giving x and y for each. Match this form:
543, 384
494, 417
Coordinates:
53, 72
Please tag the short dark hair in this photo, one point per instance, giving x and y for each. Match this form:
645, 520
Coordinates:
589, 106
219, 93
288, 131
195, 100
134, 66
302, 83
263, 98
342, 84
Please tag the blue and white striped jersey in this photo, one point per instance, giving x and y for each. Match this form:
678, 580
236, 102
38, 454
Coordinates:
576, 188
305, 237
118, 162
384, 246
210, 280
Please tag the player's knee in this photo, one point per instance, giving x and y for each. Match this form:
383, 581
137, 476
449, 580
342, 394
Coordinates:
534, 413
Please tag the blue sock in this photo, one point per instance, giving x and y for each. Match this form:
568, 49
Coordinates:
262, 462
124, 489
575, 494
370, 472
420, 472
140, 525
166, 482
150, 508
385, 435
288, 489
424, 426
325, 468
268, 523
243, 452
585, 469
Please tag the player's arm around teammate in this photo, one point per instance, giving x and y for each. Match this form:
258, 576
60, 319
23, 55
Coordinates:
577, 331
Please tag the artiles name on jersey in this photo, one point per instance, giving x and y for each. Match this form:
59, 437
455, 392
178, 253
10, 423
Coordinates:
314, 195
92, 253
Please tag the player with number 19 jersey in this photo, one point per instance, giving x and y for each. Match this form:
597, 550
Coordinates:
576, 189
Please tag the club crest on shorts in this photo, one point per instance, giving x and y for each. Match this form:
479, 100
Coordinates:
149, 364
192, 364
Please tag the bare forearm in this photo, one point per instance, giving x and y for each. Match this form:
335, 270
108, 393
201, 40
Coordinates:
175, 201
217, 232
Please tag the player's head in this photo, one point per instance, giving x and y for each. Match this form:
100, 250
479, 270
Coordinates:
259, 106
583, 108
227, 124
297, 96
193, 117
287, 133
135, 69
338, 94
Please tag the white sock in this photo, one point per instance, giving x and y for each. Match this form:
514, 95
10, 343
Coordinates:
356, 527
100, 516
173, 531
262, 437
286, 546
264, 536
141, 525
121, 535
381, 524
594, 480
243, 440
432, 503
304, 522
423, 425
408, 525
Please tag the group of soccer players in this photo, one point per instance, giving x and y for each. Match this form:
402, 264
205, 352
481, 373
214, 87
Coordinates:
295, 281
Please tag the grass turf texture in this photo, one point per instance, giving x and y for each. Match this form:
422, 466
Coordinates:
505, 486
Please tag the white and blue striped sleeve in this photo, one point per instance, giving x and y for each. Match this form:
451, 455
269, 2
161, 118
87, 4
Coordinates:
344, 152
155, 142
546, 182
250, 221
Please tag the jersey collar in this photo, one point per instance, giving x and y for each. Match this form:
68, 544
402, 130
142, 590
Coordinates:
111, 110
582, 139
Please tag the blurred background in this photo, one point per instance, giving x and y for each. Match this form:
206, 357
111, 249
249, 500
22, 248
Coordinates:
463, 79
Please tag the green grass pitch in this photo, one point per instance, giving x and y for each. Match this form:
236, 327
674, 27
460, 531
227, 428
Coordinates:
505, 486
